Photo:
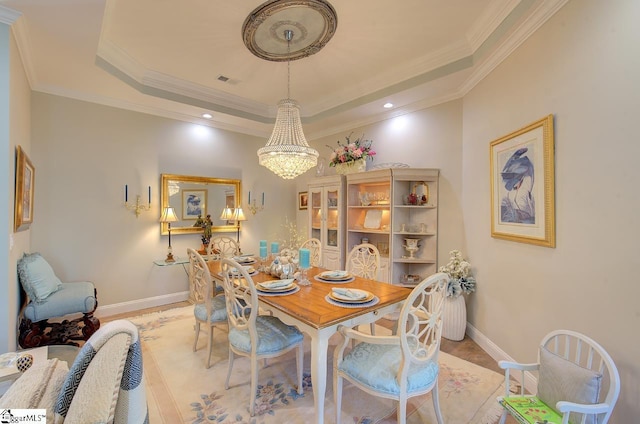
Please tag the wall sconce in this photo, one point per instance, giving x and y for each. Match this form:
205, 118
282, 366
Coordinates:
253, 208
169, 216
138, 207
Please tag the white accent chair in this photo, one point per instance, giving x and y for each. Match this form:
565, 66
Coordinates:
573, 370
364, 261
210, 309
222, 247
315, 248
400, 366
253, 335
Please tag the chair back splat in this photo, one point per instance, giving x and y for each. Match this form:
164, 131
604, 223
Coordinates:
364, 261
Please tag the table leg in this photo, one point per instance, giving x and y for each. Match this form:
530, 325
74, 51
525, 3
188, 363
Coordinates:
319, 346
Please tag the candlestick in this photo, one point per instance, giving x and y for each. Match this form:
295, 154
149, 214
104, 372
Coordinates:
149, 194
263, 199
249, 198
138, 207
275, 247
305, 258
126, 193
263, 243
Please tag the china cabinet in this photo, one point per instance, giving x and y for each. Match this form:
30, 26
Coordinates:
397, 211
326, 208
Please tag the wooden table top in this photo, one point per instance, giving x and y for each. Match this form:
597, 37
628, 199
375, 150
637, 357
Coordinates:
309, 304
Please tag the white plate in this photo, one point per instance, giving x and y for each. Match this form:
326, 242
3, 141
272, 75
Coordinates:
335, 275
290, 284
366, 296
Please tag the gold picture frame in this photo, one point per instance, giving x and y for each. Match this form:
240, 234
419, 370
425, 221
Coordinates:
303, 200
522, 185
25, 185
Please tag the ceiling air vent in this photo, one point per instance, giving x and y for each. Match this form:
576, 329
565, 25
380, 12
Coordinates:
223, 78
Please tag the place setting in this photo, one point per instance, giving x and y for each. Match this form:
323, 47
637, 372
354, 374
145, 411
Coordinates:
351, 298
335, 277
245, 260
248, 268
277, 287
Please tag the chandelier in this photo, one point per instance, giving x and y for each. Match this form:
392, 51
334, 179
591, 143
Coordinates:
287, 152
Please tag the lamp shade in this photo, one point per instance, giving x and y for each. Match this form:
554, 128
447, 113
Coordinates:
227, 214
168, 215
238, 215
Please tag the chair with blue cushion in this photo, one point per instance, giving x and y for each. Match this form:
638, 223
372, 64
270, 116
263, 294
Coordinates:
49, 298
400, 366
253, 335
210, 309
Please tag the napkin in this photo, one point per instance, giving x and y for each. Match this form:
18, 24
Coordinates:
249, 269
277, 283
349, 293
241, 259
335, 274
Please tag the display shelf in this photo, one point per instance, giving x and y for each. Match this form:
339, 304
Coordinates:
327, 218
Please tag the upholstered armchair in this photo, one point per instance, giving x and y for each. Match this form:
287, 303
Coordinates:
46, 297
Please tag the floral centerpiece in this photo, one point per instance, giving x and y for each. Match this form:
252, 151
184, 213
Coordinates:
347, 155
459, 271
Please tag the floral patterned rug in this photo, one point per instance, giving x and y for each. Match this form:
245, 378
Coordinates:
180, 389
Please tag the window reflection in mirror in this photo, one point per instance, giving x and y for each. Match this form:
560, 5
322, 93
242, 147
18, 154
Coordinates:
193, 198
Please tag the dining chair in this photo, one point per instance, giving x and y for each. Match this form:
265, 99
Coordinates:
364, 261
222, 247
251, 334
577, 378
210, 309
402, 365
315, 248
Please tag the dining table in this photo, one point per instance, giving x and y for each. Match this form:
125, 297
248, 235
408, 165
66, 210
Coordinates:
311, 310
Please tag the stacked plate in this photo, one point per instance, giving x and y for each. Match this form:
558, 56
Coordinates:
335, 276
245, 260
249, 269
350, 296
277, 286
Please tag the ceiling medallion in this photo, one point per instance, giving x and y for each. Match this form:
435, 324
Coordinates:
313, 23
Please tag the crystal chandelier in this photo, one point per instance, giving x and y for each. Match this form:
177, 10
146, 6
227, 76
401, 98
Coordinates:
287, 152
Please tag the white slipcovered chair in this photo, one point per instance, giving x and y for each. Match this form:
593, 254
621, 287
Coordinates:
576, 377
253, 335
210, 309
315, 249
400, 366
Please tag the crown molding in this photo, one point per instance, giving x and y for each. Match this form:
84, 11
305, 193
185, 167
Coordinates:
8, 16
489, 21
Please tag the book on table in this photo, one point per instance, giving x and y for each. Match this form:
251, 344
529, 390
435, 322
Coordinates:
531, 410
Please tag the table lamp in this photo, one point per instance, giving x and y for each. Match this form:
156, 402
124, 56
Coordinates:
169, 216
238, 215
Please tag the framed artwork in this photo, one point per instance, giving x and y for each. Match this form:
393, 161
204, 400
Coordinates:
303, 200
25, 185
194, 204
522, 185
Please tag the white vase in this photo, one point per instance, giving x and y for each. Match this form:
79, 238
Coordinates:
454, 318
354, 166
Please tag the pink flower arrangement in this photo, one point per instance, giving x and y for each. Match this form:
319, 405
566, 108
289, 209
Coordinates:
351, 151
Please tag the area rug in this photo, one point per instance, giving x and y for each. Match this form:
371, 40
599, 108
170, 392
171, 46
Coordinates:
180, 389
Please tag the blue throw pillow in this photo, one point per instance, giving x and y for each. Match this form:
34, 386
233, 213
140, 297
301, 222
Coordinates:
37, 277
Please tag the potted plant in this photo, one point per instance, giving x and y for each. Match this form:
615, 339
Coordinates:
454, 319
352, 156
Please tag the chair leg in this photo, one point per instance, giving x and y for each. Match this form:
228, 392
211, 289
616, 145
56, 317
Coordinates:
402, 411
231, 357
254, 386
372, 326
435, 396
195, 342
210, 345
299, 362
503, 417
337, 395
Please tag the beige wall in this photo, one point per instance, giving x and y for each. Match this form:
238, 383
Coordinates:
85, 154
582, 66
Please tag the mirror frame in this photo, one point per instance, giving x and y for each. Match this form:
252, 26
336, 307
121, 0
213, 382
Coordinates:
164, 201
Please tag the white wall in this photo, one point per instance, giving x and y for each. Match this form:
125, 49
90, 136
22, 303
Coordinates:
582, 66
85, 153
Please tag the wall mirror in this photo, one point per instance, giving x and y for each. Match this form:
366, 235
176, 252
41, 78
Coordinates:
196, 197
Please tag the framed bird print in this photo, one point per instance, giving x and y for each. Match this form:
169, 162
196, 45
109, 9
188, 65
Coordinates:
522, 185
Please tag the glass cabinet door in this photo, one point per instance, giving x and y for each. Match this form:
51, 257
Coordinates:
332, 217
316, 214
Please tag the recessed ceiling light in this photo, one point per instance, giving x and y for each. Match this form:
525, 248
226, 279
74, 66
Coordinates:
388, 105
207, 115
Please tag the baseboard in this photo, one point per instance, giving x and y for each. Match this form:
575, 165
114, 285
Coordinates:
134, 305
530, 382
